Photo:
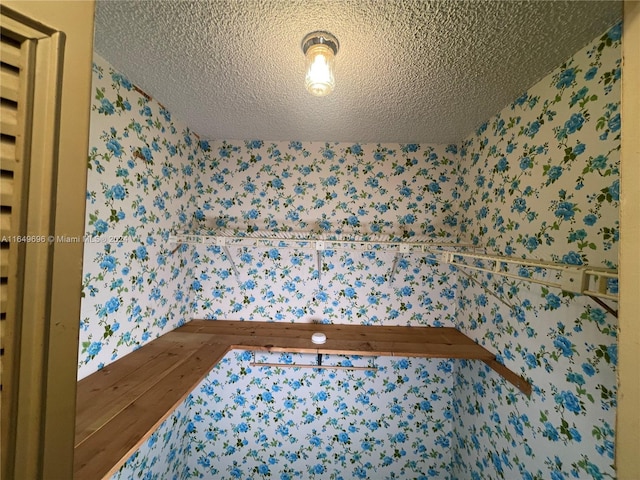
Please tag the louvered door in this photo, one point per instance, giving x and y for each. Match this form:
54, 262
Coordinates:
16, 75
45, 87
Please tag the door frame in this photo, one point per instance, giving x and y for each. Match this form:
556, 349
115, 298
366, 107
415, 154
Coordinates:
45, 372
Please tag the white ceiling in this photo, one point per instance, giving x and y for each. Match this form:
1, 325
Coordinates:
407, 70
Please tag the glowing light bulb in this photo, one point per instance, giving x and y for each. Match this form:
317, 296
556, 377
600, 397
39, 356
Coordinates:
320, 49
320, 80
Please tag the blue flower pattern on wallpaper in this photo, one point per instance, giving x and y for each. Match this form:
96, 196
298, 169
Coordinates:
395, 191
273, 422
139, 191
541, 180
538, 180
162, 455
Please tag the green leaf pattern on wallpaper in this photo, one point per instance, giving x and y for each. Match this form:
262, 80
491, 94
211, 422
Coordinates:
539, 180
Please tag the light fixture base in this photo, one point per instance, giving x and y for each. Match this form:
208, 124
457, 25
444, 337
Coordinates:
320, 37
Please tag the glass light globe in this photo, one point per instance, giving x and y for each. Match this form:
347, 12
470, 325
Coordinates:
320, 79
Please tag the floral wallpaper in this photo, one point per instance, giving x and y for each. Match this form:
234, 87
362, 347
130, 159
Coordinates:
285, 423
163, 454
139, 191
151, 177
538, 180
397, 191
541, 180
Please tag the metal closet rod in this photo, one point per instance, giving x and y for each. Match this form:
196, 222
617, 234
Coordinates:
324, 367
306, 365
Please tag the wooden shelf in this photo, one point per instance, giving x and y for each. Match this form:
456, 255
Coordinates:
120, 406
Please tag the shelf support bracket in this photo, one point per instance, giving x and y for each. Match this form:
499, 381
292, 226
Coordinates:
604, 305
499, 298
394, 267
396, 261
220, 241
319, 250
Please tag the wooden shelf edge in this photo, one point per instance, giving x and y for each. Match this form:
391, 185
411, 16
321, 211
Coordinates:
513, 378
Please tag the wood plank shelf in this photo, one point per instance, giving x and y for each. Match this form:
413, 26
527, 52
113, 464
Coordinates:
120, 406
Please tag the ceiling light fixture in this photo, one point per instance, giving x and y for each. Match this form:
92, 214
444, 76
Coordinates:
320, 49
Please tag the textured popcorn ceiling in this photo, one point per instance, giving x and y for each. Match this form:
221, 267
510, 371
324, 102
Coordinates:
407, 70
